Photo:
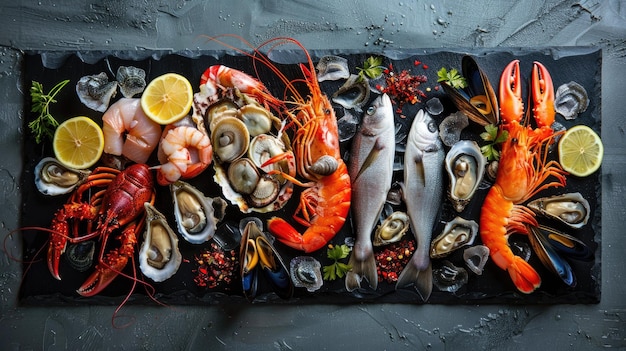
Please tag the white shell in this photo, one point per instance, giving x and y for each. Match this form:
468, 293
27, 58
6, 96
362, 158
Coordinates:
392, 229
159, 256
465, 165
52, 178
132, 80
194, 213
96, 91
571, 209
457, 233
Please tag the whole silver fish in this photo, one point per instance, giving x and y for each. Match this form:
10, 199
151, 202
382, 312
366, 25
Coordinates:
422, 191
371, 171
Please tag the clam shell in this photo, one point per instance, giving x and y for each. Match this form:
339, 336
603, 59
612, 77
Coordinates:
465, 165
457, 233
95, 91
230, 139
332, 67
194, 213
570, 100
52, 178
132, 80
159, 256
393, 228
571, 209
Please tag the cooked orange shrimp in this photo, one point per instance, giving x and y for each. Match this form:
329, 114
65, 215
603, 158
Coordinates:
129, 132
522, 172
184, 152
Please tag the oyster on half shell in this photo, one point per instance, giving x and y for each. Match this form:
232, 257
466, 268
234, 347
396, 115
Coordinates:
571, 209
457, 233
52, 178
392, 229
159, 256
465, 165
195, 213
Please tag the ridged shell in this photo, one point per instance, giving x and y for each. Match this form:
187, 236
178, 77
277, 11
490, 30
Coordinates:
570, 100
332, 67
132, 80
392, 229
457, 233
194, 213
306, 272
95, 91
52, 178
353, 94
159, 256
571, 209
465, 165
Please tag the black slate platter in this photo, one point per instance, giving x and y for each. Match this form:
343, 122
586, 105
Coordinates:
493, 286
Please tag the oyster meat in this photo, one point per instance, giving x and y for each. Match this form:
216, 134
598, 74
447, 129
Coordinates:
159, 256
52, 178
393, 228
195, 213
571, 209
465, 165
457, 233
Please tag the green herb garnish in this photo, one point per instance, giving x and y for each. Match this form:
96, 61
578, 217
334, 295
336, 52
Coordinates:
337, 269
372, 68
452, 77
493, 138
44, 125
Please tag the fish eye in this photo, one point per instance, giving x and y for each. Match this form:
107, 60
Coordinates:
432, 126
371, 110
514, 140
327, 111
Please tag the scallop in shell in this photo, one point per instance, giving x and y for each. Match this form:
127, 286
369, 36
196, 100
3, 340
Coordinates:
95, 91
570, 100
457, 233
194, 212
132, 80
392, 229
571, 209
52, 178
465, 165
159, 256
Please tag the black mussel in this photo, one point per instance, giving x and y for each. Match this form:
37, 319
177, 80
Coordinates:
520, 248
549, 256
478, 100
566, 244
449, 277
227, 236
80, 255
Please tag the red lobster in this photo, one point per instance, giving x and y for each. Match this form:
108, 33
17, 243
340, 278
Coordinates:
120, 205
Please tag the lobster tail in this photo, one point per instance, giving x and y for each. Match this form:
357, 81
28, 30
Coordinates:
525, 278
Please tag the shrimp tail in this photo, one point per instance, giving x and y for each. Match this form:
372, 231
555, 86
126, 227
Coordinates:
420, 279
288, 235
523, 275
364, 267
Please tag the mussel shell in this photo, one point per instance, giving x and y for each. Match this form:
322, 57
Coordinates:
457, 233
393, 228
159, 256
550, 257
465, 165
571, 209
478, 100
194, 212
80, 255
52, 178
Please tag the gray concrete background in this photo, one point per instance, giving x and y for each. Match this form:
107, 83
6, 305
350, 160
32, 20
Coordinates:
71, 25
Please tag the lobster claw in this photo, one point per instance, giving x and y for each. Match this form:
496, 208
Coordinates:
510, 91
543, 96
55, 250
104, 274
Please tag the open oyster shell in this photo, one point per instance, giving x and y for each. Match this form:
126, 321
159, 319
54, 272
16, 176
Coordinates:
457, 233
571, 209
195, 213
53, 178
465, 165
393, 228
159, 256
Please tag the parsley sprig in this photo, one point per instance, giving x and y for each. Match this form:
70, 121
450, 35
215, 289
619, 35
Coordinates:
44, 125
493, 138
372, 68
452, 77
337, 269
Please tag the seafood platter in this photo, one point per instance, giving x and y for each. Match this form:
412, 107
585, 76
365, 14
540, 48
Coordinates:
310, 177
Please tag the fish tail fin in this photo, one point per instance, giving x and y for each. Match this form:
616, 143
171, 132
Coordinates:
420, 279
362, 268
524, 276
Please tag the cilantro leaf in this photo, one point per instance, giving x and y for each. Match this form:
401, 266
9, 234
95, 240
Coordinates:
372, 68
493, 137
452, 78
337, 269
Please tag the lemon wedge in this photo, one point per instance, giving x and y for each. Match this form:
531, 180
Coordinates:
167, 98
78, 142
580, 151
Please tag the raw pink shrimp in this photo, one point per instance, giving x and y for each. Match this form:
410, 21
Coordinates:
184, 152
129, 132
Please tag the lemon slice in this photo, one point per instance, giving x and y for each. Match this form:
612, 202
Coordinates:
167, 98
78, 142
580, 151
